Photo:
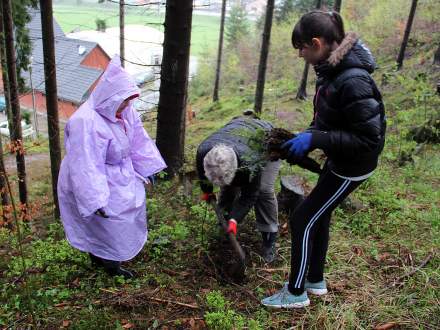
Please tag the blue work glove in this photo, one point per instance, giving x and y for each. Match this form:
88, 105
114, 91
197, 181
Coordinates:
299, 146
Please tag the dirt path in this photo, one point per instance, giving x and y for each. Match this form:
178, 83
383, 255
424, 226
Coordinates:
29, 159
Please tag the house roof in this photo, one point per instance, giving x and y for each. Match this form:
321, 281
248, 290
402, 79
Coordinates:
73, 79
34, 25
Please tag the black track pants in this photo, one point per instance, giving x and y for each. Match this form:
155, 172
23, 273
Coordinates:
309, 226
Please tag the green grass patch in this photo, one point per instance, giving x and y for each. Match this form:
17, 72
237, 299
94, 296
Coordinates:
204, 34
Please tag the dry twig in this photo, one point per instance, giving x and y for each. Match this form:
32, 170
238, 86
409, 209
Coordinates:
398, 282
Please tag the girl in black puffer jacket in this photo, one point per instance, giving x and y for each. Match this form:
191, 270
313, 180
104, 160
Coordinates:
349, 126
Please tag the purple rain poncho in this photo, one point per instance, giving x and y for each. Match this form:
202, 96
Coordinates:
106, 163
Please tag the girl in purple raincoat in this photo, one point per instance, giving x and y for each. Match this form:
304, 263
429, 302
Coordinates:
109, 157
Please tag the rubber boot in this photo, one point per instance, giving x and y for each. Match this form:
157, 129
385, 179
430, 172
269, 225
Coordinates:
268, 246
111, 267
96, 261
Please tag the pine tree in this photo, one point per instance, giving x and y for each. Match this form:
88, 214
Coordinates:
337, 6
409, 22
237, 25
219, 53
16, 133
23, 45
302, 91
174, 83
307, 5
50, 78
283, 11
304, 5
259, 92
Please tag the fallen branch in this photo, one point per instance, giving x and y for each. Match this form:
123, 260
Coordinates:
173, 302
109, 291
268, 280
13, 325
273, 270
248, 292
132, 299
423, 264
174, 273
398, 281
60, 305
386, 326
184, 320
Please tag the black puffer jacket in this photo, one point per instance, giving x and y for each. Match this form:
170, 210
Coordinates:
349, 119
235, 134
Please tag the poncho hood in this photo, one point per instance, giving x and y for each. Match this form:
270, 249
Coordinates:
114, 86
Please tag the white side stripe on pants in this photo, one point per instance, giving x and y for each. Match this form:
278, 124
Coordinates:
302, 268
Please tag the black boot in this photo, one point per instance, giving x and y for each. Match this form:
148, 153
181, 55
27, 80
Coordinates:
111, 267
114, 268
96, 261
119, 271
268, 246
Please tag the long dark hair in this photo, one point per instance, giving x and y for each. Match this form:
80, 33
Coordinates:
318, 24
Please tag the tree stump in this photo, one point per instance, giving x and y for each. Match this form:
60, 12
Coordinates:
351, 205
429, 132
291, 194
187, 180
437, 56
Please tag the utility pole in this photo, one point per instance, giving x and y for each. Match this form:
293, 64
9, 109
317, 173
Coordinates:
121, 32
33, 99
51, 96
16, 132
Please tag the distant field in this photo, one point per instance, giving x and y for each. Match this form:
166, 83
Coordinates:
204, 34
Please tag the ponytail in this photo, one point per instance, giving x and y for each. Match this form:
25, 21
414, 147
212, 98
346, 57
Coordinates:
317, 23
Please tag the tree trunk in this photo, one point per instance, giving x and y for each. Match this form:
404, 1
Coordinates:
8, 110
4, 191
121, 33
437, 56
3, 187
174, 83
51, 96
16, 133
412, 13
259, 92
318, 4
337, 6
302, 91
219, 54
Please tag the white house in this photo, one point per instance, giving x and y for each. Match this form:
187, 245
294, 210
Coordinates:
143, 45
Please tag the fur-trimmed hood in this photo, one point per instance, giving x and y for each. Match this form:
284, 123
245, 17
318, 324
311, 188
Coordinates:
351, 53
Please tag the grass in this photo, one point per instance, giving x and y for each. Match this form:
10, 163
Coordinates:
205, 29
370, 250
